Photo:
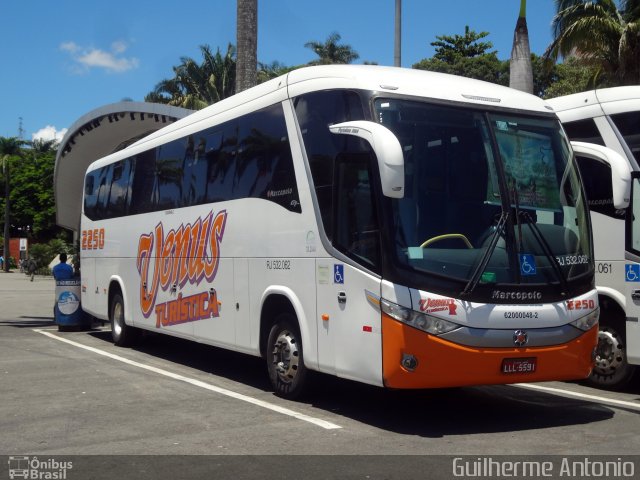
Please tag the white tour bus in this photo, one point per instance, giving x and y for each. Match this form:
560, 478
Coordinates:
611, 117
397, 227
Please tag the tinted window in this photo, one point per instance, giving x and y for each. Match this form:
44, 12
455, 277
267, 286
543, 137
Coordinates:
143, 183
264, 164
169, 172
209, 166
221, 156
583, 131
629, 126
633, 226
104, 186
194, 180
119, 193
315, 112
596, 177
356, 231
91, 184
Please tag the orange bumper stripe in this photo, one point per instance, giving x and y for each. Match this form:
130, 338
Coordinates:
445, 364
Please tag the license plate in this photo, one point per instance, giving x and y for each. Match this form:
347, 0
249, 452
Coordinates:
519, 365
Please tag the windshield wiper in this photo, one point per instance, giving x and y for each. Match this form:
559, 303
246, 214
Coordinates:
477, 273
546, 249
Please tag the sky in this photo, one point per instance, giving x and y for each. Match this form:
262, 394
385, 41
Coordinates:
62, 59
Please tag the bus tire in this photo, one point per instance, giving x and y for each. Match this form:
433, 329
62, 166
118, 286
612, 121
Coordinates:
611, 370
285, 360
123, 335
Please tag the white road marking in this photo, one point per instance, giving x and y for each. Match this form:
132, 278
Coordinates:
582, 396
207, 386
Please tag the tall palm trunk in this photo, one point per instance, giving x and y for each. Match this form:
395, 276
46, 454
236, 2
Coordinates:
520, 70
247, 38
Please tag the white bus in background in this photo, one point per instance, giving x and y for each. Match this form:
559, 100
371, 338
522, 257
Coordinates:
397, 227
611, 117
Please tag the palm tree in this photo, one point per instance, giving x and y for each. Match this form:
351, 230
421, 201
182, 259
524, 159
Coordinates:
9, 147
247, 38
40, 145
601, 35
520, 68
197, 85
330, 52
267, 71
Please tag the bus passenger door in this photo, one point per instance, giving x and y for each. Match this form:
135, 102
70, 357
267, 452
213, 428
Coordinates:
632, 273
349, 324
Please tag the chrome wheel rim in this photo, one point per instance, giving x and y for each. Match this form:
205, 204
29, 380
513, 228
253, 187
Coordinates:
609, 353
286, 356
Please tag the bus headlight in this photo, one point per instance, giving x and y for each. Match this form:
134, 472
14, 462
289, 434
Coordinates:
588, 321
421, 321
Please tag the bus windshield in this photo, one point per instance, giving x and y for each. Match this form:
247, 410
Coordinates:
490, 197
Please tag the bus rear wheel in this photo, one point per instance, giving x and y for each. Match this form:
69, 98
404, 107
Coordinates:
123, 335
611, 370
285, 361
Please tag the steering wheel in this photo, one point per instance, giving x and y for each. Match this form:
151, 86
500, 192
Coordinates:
446, 237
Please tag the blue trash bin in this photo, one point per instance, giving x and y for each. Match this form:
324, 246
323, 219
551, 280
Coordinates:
68, 310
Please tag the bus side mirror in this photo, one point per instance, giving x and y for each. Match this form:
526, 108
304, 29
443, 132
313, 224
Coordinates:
387, 149
620, 170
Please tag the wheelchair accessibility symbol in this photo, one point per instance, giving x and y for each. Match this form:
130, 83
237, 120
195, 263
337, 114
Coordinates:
338, 274
632, 272
527, 264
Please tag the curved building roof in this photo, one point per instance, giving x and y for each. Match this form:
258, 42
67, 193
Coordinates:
98, 133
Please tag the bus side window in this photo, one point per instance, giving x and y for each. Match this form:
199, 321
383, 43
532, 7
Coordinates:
143, 183
221, 158
583, 131
119, 189
315, 112
628, 125
104, 186
264, 163
596, 177
91, 194
169, 171
194, 181
356, 230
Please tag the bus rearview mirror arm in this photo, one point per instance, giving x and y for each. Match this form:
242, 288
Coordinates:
620, 170
387, 149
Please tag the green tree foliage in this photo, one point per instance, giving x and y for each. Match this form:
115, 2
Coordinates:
331, 52
32, 202
450, 48
197, 85
569, 77
466, 55
10, 148
267, 71
602, 36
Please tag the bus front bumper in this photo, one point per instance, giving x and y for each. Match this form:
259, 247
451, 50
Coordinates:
415, 359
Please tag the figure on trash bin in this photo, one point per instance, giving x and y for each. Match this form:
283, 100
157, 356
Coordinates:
62, 271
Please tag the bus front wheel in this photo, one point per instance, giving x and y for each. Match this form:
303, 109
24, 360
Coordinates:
611, 370
285, 361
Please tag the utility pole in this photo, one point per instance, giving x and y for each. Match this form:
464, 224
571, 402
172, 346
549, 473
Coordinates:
397, 54
20, 129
